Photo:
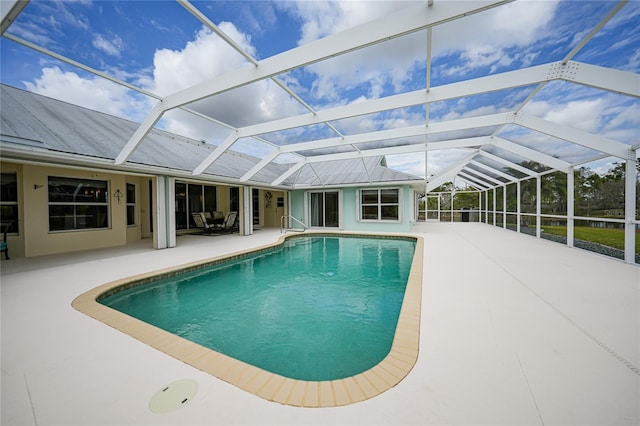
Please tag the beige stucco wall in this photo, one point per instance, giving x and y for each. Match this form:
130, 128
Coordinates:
273, 213
144, 191
222, 192
34, 238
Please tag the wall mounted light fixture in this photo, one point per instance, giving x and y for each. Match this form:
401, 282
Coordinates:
118, 195
37, 186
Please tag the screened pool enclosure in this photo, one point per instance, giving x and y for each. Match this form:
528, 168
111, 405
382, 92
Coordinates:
531, 106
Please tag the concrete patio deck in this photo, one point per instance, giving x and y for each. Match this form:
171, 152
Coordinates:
514, 330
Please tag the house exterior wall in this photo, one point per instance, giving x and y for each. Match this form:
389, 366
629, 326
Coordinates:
349, 203
350, 213
296, 205
34, 237
269, 207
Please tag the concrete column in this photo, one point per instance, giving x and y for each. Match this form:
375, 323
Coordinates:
246, 207
164, 230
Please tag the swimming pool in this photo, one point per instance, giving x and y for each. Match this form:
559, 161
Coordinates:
313, 308
381, 368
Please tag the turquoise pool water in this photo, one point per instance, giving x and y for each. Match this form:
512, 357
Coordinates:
315, 308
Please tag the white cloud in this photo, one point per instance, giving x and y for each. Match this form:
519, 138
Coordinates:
111, 47
201, 59
437, 161
461, 111
320, 19
407, 163
376, 67
204, 58
481, 39
580, 114
383, 120
94, 93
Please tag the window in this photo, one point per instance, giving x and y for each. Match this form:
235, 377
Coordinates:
255, 205
234, 199
380, 204
131, 204
210, 199
9, 200
77, 204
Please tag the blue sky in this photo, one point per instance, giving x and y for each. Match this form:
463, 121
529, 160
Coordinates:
161, 47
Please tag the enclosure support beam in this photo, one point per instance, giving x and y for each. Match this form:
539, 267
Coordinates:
473, 180
530, 154
504, 206
289, 172
518, 209
494, 171
538, 206
452, 195
494, 206
630, 208
486, 207
142, 131
570, 206
226, 144
10, 13
573, 135
403, 22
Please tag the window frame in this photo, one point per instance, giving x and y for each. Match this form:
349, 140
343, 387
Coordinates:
14, 229
131, 204
309, 210
379, 205
76, 204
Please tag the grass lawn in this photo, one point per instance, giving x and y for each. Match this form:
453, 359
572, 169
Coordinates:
605, 236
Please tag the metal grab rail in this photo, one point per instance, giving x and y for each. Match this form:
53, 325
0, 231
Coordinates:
282, 227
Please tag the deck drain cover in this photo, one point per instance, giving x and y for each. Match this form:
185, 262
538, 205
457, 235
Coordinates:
173, 396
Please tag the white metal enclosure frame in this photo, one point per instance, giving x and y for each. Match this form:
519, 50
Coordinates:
484, 145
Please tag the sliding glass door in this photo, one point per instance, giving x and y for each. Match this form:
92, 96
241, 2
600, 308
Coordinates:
192, 198
324, 209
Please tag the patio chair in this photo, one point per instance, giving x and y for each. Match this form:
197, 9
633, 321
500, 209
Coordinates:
217, 217
208, 217
229, 224
202, 223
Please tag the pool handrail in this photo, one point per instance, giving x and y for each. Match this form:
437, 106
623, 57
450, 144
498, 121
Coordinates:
285, 230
